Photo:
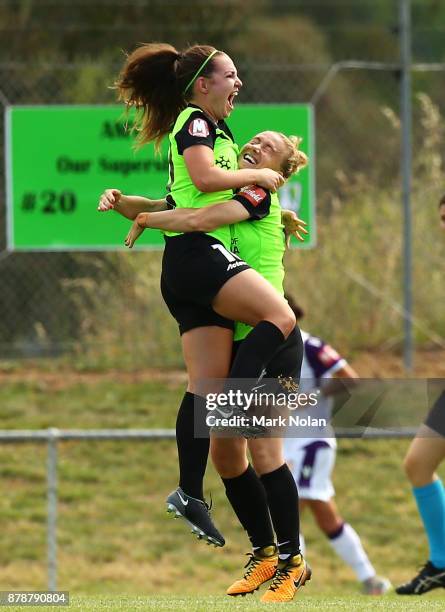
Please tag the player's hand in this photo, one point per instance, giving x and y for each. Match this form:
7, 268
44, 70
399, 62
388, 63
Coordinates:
269, 179
135, 231
293, 226
109, 200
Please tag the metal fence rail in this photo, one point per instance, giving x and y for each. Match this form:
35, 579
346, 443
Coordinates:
53, 435
50, 303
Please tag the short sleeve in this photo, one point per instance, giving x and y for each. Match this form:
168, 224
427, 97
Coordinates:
171, 204
197, 130
255, 200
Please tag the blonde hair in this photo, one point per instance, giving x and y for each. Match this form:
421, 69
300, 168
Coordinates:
296, 159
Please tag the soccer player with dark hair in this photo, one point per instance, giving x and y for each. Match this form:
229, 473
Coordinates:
189, 94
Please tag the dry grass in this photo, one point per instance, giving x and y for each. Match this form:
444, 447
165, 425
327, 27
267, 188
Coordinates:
113, 532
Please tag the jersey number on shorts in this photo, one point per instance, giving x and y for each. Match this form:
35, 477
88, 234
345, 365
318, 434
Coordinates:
227, 254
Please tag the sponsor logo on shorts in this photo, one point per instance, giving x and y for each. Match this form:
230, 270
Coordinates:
237, 264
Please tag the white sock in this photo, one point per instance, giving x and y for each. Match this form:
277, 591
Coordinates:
348, 546
302, 545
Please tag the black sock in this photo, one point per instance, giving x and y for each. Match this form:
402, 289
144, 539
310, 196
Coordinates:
287, 360
282, 498
192, 452
248, 499
256, 350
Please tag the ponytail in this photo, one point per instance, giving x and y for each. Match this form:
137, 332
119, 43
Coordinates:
148, 83
154, 81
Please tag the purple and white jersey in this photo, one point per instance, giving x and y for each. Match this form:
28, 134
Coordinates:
320, 361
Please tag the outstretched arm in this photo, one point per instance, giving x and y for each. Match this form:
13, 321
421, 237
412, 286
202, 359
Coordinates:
129, 206
344, 378
188, 219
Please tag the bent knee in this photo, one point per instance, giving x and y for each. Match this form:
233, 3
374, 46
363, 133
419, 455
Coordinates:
418, 473
410, 466
266, 463
231, 469
289, 323
285, 321
229, 459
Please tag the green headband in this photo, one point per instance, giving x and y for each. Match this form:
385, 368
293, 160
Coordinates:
200, 69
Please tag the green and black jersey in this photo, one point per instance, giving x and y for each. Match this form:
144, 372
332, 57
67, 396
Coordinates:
194, 127
260, 240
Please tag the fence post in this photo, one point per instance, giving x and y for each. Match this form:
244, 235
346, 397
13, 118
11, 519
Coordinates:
51, 481
406, 157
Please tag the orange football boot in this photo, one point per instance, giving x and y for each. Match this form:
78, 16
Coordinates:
261, 567
290, 576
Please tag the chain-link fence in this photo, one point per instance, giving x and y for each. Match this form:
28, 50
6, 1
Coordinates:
54, 304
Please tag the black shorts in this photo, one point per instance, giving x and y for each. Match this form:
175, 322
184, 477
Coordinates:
194, 268
436, 416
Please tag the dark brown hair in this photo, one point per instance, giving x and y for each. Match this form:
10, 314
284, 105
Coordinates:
442, 200
153, 80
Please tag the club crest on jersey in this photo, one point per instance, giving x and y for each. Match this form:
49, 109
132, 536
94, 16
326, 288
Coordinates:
223, 162
199, 127
254, 194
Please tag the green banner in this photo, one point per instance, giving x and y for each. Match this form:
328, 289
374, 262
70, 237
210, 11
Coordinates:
61, 158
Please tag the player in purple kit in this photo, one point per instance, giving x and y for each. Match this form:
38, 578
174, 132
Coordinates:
312, 458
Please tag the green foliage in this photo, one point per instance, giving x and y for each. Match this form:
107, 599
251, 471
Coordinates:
291, 39
90, 83
107, 308
354, 274
124, 318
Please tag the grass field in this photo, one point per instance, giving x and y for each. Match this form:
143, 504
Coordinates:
247, 604
114, 535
